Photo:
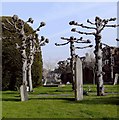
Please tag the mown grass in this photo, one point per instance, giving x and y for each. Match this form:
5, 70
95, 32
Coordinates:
54, 102
0, 104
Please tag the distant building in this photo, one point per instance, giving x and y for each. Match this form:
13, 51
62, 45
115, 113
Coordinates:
110, 63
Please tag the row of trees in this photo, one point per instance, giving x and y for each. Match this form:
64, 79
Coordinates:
21, 42
98, 26
21, 53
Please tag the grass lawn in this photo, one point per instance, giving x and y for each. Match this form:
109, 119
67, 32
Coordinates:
57, 102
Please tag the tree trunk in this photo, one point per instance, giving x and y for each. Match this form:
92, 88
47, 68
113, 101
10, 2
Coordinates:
24, 56
99, 72
93, 76
23, 88
72, 62
30, 79
24, 69
31, 58
30, 75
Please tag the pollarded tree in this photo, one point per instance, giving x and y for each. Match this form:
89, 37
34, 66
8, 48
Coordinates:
12, 56
34, 47
98, 26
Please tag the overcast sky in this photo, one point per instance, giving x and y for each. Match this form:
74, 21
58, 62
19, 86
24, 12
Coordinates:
57, 16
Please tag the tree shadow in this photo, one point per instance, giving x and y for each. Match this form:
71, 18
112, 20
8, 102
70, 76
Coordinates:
107, 100
11, 99
113, 100
101, 100
9, 93
53, 98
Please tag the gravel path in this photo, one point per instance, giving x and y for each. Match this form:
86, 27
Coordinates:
45, 95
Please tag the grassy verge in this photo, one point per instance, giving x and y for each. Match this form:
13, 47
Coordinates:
54, 102
0, 105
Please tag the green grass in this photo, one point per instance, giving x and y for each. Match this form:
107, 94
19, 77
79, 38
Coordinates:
0, 104
54, 102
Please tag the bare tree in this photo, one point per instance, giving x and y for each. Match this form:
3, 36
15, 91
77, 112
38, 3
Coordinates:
71, 41
33, 43
34, 47
99, 24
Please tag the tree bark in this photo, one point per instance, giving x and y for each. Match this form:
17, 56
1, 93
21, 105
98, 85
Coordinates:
99, 72
30, 79
24, 60
72, 62
31, 58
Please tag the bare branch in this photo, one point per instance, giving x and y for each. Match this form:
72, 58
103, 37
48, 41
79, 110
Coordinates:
38, 29
30, 20
111, 19
64, 38
47, 40
87, 27
83, 26
84, 41
8, 37
43, 41
69, 39
13, 25
43, 44
73, 23
84, 47
41, 25
4, 27
61, 44
111, 25
86, 33
17, 46
88, 21
10, 22
77, 24
105, 44
117, 39
15, 18
80, 39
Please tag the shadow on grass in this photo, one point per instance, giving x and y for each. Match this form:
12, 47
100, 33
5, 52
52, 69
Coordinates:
58, 91
11, 99
109, 100
97, 100
66, 99
9, 92
102, 100
87, 100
